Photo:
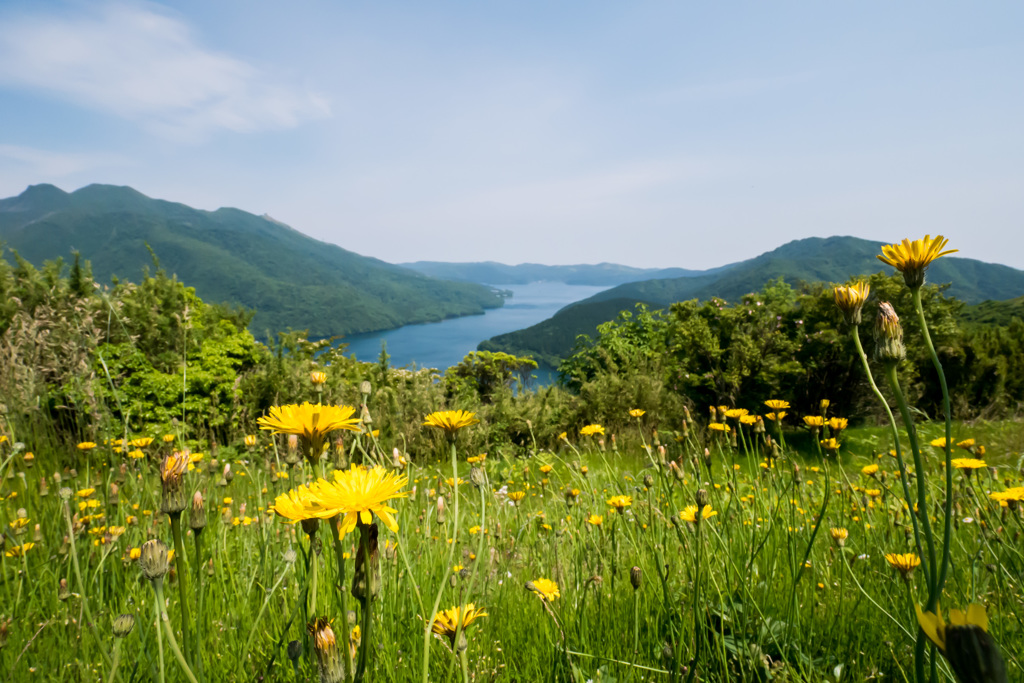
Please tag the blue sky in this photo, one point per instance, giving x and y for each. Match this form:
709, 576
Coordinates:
686, 134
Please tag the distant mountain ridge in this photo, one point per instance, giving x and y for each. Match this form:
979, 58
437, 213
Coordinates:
228, 255
816, 259
601, 274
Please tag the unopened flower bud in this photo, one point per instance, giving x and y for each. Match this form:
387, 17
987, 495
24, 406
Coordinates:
197, 513
153, 560
635, 577
123, 625
701, 499
440, 510
888, 335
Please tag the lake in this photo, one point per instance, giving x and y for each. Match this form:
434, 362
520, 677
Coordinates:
443, 344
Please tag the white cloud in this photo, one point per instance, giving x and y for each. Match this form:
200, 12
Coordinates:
138, 62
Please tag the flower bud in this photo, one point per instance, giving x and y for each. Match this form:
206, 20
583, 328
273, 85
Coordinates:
365, 387
635, 577
889, 346
440, 510
197, 513
123, 625
701, 499
153, 560
648, 481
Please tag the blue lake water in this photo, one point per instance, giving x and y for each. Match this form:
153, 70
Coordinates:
443, 344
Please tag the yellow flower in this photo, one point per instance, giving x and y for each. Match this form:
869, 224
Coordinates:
516, 496
86, 446
168, 438
830, 444
689, 513
134, 553
317, 378
966, 444
869, 469
596, 520
546, 469
938, 631
591, 430
620, 503
474, 530
136, 454
718, 427
250, 440
968, 463
912, 258
141, 442
19, 550
850, 301
776, 416
905, 562
637, 412
451, 421
546, 589
814, 420
296, 505
776, 404
359, 493
838, 424
839, 535
476, 458
1015, 494
174, 466
748, 419
312, 423
19, 523
736, 413
564, 436
85, 493
447, 622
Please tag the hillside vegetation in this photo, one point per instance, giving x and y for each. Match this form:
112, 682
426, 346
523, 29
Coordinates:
833, 259
288, 279
601, 274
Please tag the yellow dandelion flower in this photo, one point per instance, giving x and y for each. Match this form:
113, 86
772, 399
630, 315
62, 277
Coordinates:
689, 513
620, 503
913, 258
451, 421
904, 562
637, 412
86, 446
592, 429
311, 423
850, 301
448, 622
546, 589
359, 493
776, 404
718, 427
595, 520
814, 420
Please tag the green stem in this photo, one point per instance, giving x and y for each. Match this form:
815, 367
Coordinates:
116, 662
895, 440
465, 666
81, 587
196, 534
922, 502
451, 557
365, 647
158, 587
947, 534
183, 594
159, 635
339, 556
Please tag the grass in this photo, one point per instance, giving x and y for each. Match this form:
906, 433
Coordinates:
758, 591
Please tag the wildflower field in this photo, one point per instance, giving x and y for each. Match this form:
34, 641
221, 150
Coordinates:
324, 519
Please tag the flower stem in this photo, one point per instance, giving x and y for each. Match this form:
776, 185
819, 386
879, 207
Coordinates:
364, 635
922, 502
162, 615
895, 440
183, 594
451, 556
339, 556
947, 534
81, 586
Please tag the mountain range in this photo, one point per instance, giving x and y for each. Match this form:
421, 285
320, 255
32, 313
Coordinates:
602, 274
288, 279
831, 259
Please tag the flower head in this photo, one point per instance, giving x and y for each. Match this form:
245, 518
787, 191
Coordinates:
689, 513
591, 430
595, 520
968, 464
311, 423
814, 420
19, 550
965, 642
636, 412
325, 645
839, 535
448, 621
546, 589
451, 421
359, 493
777, 404
913, 258
317, 378
620, 503
850, 300
906, 563
86, 446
